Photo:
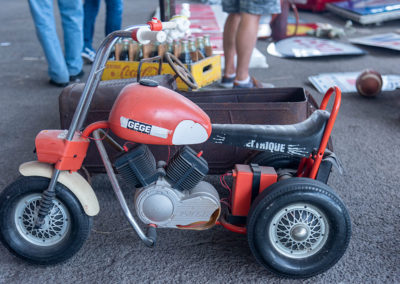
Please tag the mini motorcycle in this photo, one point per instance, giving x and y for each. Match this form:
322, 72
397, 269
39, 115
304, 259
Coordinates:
296, 225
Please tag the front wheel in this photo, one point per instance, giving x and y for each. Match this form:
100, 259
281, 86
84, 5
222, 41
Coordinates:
298, 228
63, 233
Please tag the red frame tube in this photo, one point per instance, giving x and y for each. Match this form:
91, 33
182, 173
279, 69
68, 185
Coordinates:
230, 227
94, 126
328, 128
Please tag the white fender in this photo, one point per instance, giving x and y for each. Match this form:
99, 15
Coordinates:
73, 181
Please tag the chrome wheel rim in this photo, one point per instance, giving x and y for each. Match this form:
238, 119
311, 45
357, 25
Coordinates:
56, 224
299, 230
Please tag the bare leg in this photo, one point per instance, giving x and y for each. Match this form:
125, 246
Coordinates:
246, 38
229, 42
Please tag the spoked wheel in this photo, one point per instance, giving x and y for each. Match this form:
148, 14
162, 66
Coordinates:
56, 224
181, 70
63, 233
298, 228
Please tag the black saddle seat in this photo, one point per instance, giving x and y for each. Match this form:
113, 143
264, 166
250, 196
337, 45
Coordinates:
294, 139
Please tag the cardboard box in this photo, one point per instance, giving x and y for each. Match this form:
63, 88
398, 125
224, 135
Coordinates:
205, 71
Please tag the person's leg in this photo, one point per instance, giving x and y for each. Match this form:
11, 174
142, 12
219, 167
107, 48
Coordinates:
43, 17
246, 38
229, 42
72, 20
113, 15
90, 11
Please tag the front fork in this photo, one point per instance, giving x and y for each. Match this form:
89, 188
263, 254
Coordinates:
83, 106
48, 195
80, 113
47, 199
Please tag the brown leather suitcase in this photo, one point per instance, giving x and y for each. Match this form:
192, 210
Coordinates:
242, 106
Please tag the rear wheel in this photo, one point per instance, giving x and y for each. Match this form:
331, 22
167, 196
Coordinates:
63, 233
298, 228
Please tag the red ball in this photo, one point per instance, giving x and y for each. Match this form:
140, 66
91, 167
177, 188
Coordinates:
369, 83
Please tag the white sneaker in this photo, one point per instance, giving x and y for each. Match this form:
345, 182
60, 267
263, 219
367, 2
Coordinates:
88, 54
253, 83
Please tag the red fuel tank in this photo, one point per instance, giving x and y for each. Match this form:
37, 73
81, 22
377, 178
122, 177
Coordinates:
150, 114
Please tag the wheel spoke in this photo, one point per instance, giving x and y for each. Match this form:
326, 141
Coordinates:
54, 228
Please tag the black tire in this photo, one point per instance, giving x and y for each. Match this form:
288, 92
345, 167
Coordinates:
277, 161
306, 243
68, 226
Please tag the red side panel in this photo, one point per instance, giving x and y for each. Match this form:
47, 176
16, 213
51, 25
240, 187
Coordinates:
242, 187
52, 148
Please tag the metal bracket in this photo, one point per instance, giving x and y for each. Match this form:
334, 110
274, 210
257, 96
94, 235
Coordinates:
151, 59
255, 187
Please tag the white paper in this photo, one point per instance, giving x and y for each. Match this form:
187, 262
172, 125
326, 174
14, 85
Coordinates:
389, 40
346, 81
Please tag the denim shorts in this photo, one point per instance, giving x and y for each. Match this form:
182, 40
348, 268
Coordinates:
256, 7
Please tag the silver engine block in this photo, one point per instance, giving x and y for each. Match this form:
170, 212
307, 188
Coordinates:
166, 207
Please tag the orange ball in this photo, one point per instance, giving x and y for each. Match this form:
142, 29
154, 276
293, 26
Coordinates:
369, 83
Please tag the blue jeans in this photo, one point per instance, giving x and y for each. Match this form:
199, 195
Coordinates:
60, 67
113, 18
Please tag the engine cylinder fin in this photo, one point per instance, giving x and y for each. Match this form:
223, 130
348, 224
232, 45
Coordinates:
186, 170
138, 166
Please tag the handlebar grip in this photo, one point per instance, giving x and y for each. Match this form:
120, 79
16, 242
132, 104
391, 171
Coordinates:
152, 233
168, 25
144, 35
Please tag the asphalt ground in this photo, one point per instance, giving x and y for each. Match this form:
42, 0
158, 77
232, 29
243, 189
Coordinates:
366, 138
